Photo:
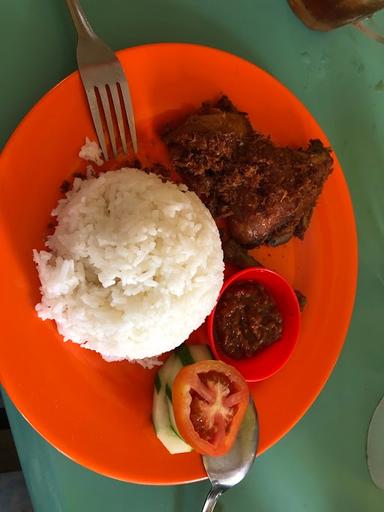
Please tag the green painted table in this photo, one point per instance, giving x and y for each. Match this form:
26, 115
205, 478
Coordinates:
320, 466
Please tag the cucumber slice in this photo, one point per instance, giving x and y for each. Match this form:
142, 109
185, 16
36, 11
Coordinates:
184, 355
200, 352
175, 366
160, 415
162, 411
172, 442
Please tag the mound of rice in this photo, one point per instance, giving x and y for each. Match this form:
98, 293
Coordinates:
135, 265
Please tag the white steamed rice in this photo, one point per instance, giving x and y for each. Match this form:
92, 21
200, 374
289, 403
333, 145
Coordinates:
134, 265
91, 152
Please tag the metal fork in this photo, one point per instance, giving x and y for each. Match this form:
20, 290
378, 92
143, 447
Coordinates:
103, 76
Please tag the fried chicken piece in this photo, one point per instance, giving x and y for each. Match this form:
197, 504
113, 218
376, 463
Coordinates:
235, 254
204, 151
267, 192
289, 186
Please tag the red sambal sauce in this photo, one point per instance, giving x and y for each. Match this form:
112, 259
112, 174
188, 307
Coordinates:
247, 319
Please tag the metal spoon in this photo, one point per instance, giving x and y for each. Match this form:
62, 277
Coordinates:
228, 470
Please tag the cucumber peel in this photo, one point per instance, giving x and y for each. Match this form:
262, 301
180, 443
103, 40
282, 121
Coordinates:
163, 417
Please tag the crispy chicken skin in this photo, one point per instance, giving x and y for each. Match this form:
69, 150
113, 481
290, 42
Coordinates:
266, 192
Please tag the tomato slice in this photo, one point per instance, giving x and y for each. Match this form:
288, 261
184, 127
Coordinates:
210, 399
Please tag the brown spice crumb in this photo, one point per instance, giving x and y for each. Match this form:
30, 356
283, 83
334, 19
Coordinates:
65, 186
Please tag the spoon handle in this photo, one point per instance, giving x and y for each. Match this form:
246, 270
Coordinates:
211, 499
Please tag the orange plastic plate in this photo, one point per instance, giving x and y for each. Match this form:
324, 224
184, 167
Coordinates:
99, 413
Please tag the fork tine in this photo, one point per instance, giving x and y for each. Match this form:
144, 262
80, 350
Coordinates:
129, 112
92, 101
119, 114
107, 112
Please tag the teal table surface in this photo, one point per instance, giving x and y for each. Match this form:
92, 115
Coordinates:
320, 466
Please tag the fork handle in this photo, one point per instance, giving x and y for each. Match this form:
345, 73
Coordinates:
81, 23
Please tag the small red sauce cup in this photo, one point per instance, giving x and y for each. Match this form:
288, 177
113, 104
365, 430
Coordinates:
271, 359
